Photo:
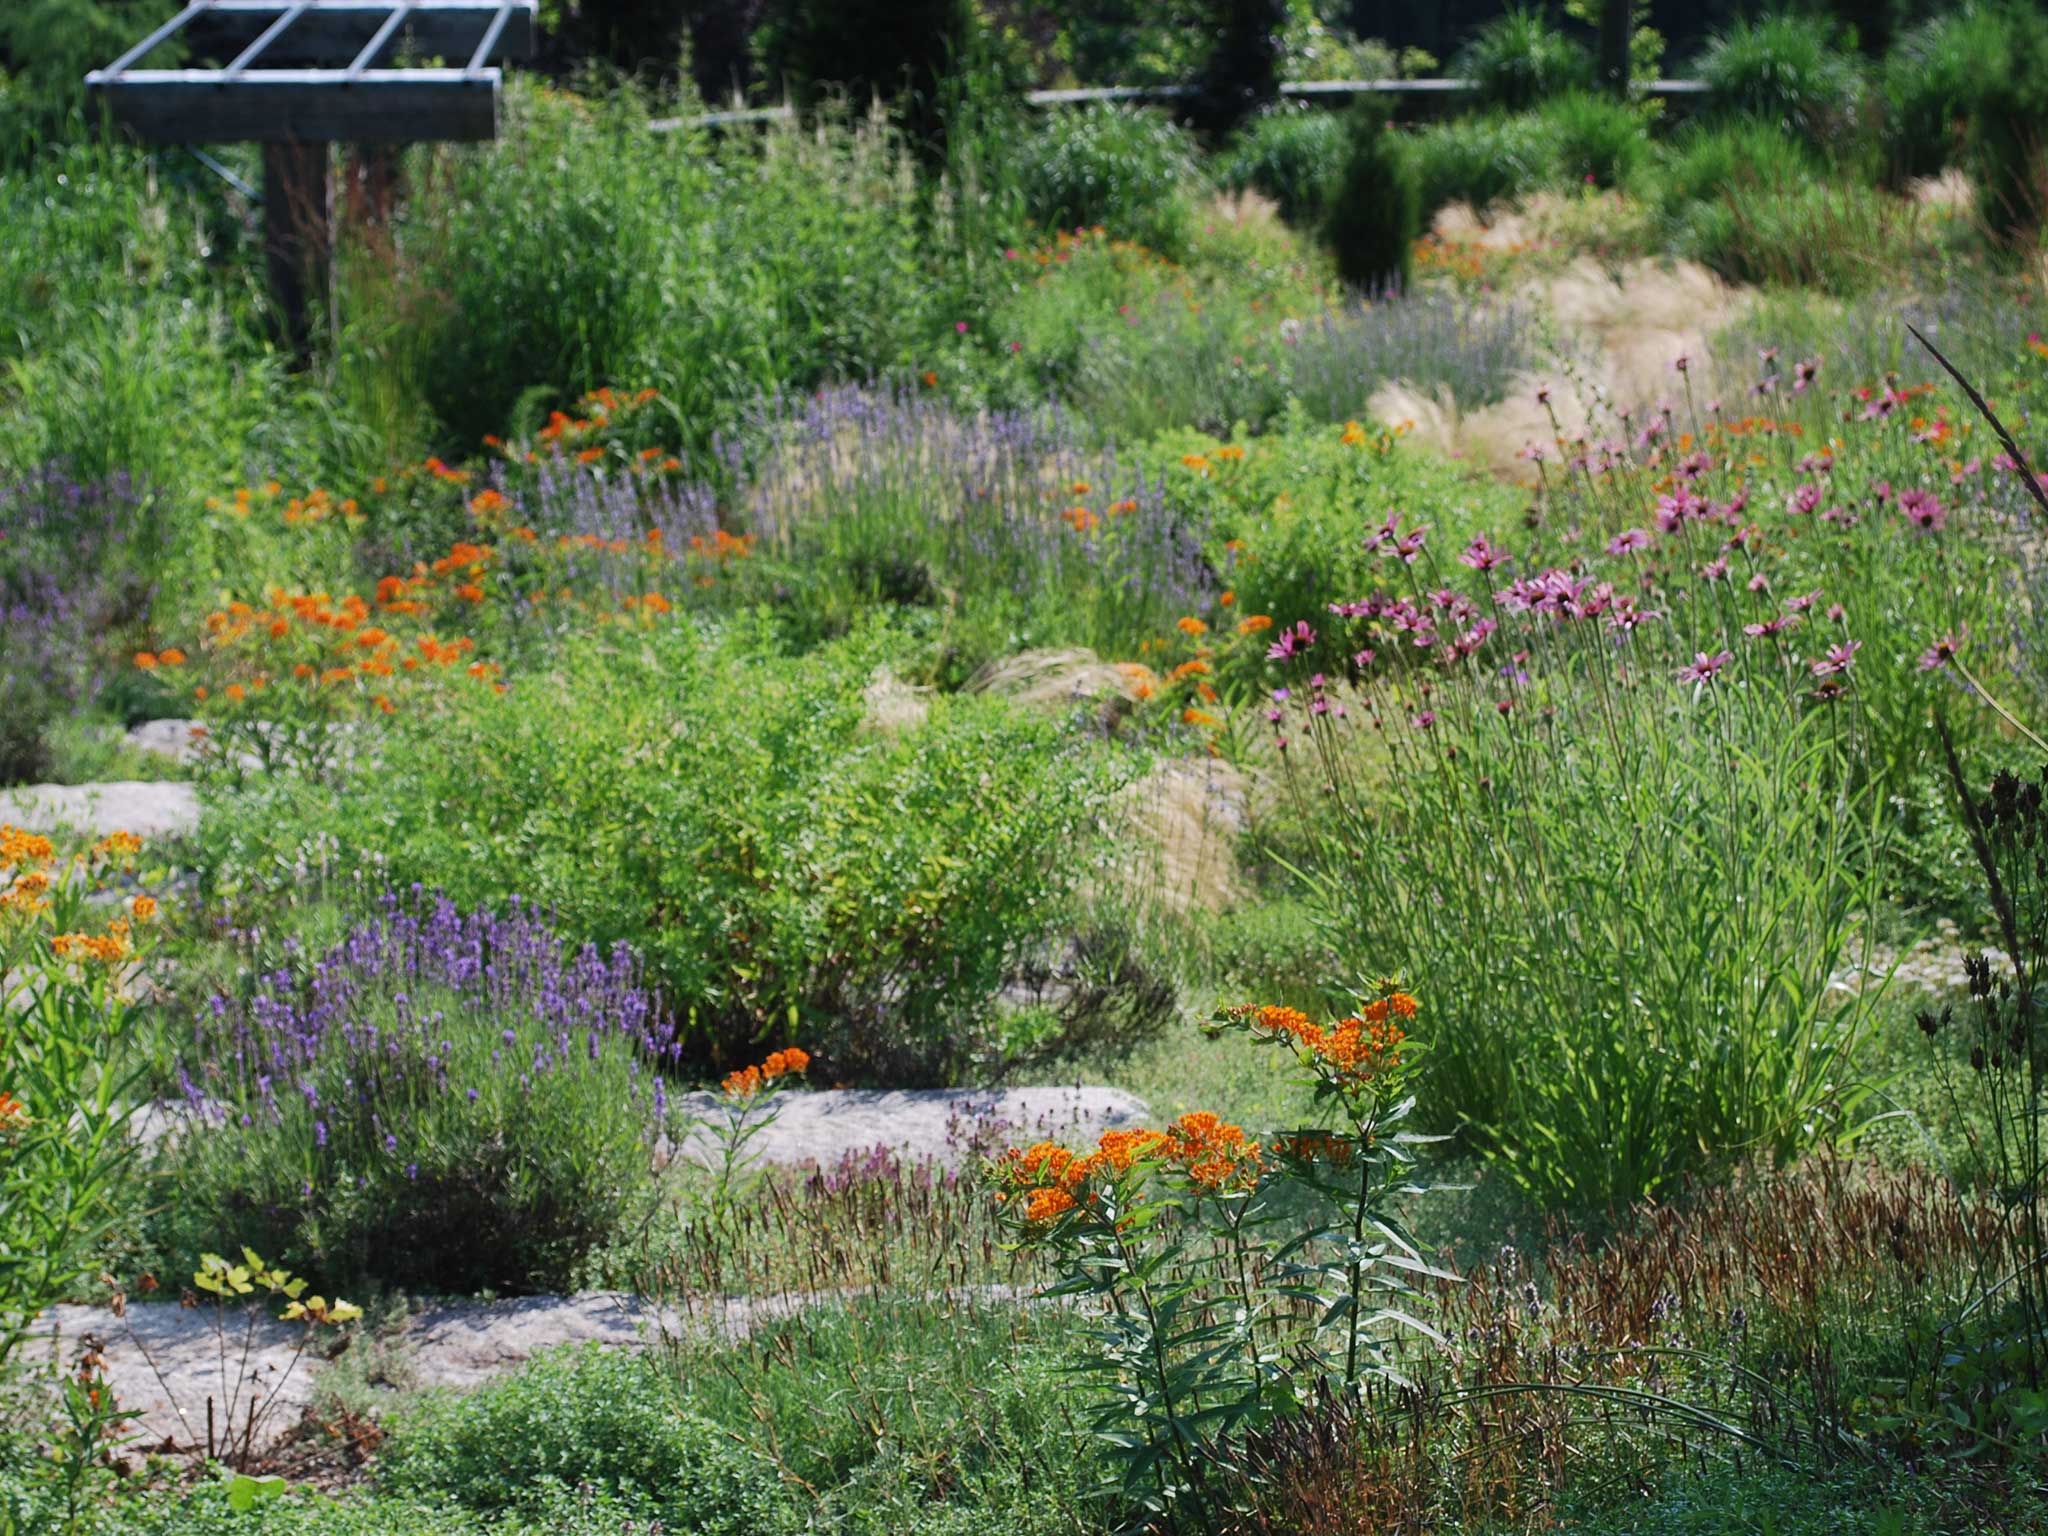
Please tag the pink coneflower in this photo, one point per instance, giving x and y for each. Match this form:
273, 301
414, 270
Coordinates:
1628, 539
1482, 555
1923, 510
1715, 569
960, 326
1802, 374
1704, 667
1838, 659
1803, 500
1759, 582
1770, 627
1292, 642
1411, 546
1681, 363
1836, 613
1362, 659
1801, 604
1425, 720
1938, 655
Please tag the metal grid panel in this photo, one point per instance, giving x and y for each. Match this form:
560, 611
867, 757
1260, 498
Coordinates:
308, 71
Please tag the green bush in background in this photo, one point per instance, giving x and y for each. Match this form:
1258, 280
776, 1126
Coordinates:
1482, 159
1293, 155
1129, 169
1788, 69
1519, 59
1376, 208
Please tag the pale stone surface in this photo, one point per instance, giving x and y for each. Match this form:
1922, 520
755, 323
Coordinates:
166, 1361
945, 1125
182, 741
148, 809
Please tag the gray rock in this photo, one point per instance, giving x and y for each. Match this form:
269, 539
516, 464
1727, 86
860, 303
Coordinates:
149, 810
945, 1125
182, 741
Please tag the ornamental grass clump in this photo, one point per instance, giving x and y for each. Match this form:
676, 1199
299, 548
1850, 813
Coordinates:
448, 1100
1236, 1277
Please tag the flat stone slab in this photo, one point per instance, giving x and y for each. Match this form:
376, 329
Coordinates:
182, 741
943, 1125
165, 1361
148, 809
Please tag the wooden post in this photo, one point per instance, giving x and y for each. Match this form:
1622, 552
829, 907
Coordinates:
298, 237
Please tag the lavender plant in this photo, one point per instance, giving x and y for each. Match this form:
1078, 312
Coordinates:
452, 1100
66, 581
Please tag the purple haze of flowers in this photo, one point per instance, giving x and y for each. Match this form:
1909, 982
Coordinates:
353, 1019
984, 491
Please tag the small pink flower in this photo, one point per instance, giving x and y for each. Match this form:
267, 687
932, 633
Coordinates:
1838, 659
1938, 655
1628, 539
1703, 667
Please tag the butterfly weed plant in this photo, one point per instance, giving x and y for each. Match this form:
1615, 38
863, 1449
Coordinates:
1230, 1279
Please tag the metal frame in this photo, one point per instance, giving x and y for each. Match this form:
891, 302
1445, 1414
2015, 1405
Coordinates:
315, 71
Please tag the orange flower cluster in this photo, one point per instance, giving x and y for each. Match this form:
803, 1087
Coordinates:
1357, 1049
749, 1081
1212, 1154
13, 1114
109, 948
18, 847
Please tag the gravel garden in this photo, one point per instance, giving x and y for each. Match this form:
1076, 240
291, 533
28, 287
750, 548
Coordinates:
1245, 816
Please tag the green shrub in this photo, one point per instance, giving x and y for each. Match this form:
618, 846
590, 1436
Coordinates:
450, 1102
785, 868
1744, 151
1482, 159
1787, 69
1840, 238
1125, 168
1293, 155
2008, 139
1376, 207
1932, 79
1754, 204
1518, 59
1595, 140
581, 250
609, 1418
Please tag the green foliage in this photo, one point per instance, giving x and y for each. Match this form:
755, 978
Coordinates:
1933, 80
1128, 169
786, 869
1482, 159
68, 1033
1787, 69
1293, 155
1595, 140
616, 254
2008, 146
1375, 208
46, 49
1754, 203
1518, 59
610, 1418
